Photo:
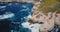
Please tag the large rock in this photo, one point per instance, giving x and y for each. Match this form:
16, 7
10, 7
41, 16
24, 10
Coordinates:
57, 19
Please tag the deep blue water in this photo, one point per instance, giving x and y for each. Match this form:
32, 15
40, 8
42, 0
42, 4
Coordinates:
20, 10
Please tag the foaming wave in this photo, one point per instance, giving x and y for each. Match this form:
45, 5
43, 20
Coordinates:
7, 15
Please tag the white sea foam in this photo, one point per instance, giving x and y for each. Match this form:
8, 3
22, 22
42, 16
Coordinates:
4, 16
33, 27
2, 7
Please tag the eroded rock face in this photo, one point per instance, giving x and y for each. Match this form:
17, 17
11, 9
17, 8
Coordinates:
57, 19
47, 26
48, 23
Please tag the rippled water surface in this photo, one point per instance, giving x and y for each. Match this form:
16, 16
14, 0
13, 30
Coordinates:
16, 13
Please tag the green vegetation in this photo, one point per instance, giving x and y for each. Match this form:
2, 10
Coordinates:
49, 6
